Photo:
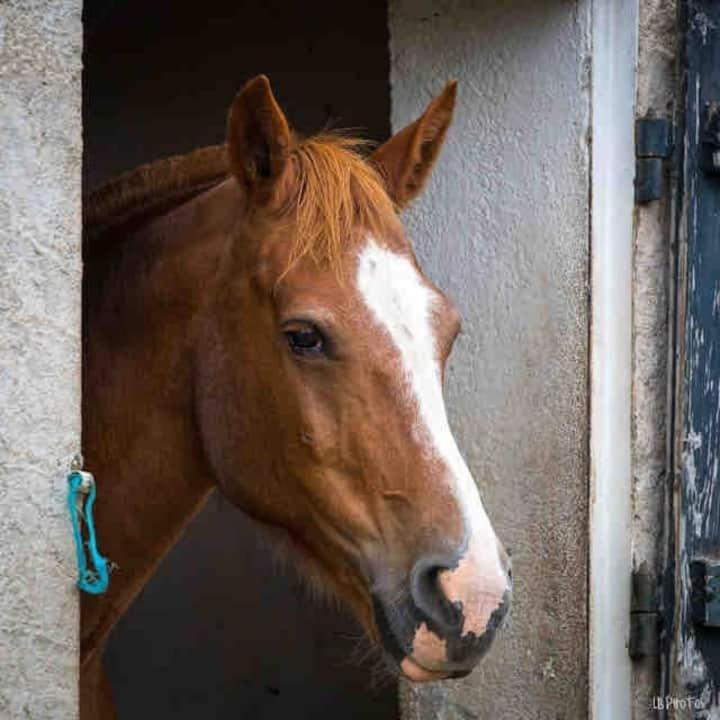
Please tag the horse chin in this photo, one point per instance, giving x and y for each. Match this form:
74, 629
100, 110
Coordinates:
416, 673
407, 666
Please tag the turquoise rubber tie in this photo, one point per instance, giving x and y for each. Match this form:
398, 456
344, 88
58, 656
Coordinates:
93, 578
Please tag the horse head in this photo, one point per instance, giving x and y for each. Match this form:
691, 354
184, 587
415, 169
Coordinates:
320, 385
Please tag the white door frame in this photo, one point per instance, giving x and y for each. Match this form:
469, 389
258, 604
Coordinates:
614, 53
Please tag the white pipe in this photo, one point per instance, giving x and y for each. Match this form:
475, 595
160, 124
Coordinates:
614, 55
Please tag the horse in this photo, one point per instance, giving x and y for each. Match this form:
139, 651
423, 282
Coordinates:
255, 319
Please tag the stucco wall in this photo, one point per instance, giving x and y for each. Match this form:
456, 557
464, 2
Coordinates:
656, 84
503, 228
40, 154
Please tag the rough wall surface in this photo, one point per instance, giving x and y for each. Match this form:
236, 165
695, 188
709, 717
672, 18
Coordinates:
503, 228
40, 156
655, 93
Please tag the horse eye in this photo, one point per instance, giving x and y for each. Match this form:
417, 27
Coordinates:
307, 341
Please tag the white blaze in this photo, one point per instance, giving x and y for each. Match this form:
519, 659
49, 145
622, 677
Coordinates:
403, 305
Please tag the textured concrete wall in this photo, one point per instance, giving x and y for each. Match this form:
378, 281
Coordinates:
656, 85
503, 228
40, 155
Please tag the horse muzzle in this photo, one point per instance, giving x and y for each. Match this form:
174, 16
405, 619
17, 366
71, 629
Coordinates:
444, 621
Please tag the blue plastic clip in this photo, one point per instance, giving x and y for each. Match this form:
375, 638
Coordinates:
95, 579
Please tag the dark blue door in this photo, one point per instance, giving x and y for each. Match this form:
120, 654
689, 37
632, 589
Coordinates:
694, 657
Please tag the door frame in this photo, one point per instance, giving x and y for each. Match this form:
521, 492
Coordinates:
614, 64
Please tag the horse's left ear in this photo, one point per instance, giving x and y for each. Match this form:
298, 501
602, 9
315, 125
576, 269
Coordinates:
406, 159
258, 139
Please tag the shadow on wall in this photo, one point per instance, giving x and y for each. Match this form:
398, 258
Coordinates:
219, 632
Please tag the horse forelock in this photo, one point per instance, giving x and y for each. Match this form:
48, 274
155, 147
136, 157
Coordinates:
340, 196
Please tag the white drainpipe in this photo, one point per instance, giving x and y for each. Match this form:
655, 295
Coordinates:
614, 36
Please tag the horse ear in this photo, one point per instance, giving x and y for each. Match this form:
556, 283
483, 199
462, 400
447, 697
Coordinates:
258, 138
406, 159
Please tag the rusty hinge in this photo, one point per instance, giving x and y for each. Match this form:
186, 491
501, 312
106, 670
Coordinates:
653, 144
644, 615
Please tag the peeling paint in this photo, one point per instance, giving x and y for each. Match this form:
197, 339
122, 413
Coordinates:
692, 664
697, 651
702, 23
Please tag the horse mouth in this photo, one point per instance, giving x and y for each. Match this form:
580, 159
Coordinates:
465, 651
403, 662
416, 672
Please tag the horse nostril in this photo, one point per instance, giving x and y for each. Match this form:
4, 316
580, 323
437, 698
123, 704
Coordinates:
429, 598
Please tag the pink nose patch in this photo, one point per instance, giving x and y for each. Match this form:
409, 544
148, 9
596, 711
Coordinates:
427, 648
477, 585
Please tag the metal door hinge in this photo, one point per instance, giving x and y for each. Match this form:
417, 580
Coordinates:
644, 615
653, 144
705, 594
710, 147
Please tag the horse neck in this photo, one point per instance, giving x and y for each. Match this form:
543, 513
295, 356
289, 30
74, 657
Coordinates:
140, 439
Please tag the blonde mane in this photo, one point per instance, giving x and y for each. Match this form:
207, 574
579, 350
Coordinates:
338, 191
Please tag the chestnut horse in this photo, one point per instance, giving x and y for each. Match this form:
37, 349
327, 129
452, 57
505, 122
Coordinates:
255, 320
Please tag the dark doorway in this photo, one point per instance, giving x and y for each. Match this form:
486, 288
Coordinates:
220, 632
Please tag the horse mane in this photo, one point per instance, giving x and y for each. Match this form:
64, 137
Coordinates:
151, 188
337, 191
